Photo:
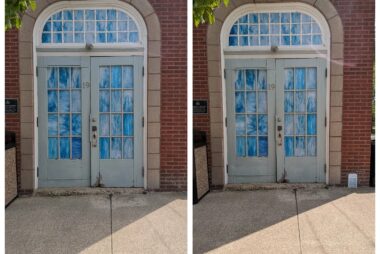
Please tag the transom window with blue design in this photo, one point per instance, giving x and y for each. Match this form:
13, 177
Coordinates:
90, 26
275, 29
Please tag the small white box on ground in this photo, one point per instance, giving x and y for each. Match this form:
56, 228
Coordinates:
352, 180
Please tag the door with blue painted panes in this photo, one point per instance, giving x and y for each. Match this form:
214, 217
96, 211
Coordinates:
276, 120
90, 113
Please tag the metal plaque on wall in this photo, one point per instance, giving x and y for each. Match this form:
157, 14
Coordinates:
11, 106
199, 107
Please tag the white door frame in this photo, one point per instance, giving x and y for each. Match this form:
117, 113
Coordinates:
79, 50
260, 52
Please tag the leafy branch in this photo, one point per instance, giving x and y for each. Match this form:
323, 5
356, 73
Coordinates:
14, 10
203, 10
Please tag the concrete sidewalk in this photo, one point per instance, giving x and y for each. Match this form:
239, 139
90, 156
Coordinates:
335, 220
132, 223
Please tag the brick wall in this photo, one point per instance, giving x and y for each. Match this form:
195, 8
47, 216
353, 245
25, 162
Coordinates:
12, 121
173, 20
359, 48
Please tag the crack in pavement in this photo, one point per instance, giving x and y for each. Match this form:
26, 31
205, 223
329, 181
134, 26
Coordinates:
298, 220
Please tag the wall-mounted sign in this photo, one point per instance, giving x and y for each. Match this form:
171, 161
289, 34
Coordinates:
199, 107
11, 106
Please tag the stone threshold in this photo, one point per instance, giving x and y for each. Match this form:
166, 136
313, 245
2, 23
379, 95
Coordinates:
81, 191
273, 186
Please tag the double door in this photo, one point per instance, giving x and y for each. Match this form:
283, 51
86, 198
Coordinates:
276, 120
90, 121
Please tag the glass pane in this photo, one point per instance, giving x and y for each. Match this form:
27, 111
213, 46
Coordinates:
128, 101
64, 101
262, 79
116, 125
104, 77
104, 146
101, 37
288, 107
252, 146
250, 79
300, 124
263, 146
239, 102
101, 26
53, 148
127, 77
251, 125
76, 125
312, 124
52, 101
243, 29
299, 146
311, 102
300, 78
289, 146
262, 103
116, 77
288, 124
116, 101
251, 102
64, 148
64, 124
299, 102
263, 124
53, 124
311, 146
128, 124
311, 78
76, 101
52, 80
104, 101
116, 148
289, 79
76, 144
104, 121
240, 124
239, 83
64, 77
128, 148
240, 146
75, 78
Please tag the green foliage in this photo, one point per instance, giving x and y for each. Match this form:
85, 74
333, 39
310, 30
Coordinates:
203, 10
14, 9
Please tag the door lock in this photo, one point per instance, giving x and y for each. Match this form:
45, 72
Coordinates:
279, 139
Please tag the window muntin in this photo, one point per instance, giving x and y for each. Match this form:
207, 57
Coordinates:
104, 26
275, 29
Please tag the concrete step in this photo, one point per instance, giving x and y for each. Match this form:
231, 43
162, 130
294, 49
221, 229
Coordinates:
51, 192
273, 186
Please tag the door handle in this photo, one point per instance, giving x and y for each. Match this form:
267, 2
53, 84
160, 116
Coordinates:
94, 138
279, 139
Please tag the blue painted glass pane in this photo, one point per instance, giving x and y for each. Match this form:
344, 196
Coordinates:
289, 78
288, 102
76, 124
68, 15
250, 76
299, 149
288, 124
263, 124
240, 124
64, 77
133, 37
300, 124
76, 148
311, 78
233, 41
305, 18
251, 125
76, 101
264, 29
239, 102
90, 14
101, 14
239, 82
243, 19
306, 28
262, 102
253, 29
311, 146
264, 17
116, 125
127, 76
122, 37
306, 39
275, 17
317, 40
116, 148
78, 37
122, 25
104, 102
104, 81
101, 26
252, 146
104, 147
128, 101
285, 17
275, 40
116, 101
52, 101
116, 77
312, 124
243, 41
47, 27
78, 26
64, 101
75, 78
64, 148
296, 40
68, 26
296, 17
316, 29
289, 146
251, 102
132, 25
57, 16
263, 146
254, 40
57, 38
101, 37
253, 18
128, 148
299, 78
285, 29
57, 26
128, 125
275, 29
262, 79
90, 37
78, 14
90, 26
243, 29
122, 15
53, 124
46, 38
104, 121
53, 148
311, 102
111, 14
64, 124
68, 38
285, 40
264, 40
111, 37
299, 102
240, 146
234, 29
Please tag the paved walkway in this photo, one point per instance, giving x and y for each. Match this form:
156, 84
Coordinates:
132, 223
335, 220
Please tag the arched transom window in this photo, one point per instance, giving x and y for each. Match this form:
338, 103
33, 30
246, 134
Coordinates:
103, 26
275, 29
